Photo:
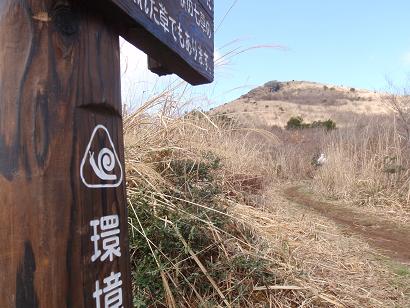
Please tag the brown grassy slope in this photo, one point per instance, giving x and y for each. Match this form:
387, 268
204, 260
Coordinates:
209, 226
266, 106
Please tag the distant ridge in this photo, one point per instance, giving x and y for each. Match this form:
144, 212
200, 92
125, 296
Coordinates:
275, 102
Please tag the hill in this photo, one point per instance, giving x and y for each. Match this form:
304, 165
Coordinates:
276, 102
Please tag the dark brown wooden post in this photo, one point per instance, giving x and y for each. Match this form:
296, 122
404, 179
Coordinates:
63, 219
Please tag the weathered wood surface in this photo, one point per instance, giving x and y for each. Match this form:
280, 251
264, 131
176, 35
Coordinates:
179, 34
59, 79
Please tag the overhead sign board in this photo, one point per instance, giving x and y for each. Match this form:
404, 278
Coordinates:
177, 34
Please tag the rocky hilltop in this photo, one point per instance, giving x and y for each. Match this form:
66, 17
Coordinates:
276, 102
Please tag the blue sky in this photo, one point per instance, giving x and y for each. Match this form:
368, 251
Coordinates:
358, 43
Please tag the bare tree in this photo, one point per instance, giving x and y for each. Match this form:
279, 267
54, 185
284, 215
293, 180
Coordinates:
399, 102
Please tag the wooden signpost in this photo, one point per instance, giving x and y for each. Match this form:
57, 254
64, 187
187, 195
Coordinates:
63, 217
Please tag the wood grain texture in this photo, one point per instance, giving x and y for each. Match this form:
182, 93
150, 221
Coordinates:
59, 78
135, 20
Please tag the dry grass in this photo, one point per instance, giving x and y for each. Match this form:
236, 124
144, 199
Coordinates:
335, 270
208, 228
368, 166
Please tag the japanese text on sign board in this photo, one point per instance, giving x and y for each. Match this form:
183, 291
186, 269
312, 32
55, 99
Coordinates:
157, 11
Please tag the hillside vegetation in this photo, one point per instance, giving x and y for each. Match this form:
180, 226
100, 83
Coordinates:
212, 223
275, 102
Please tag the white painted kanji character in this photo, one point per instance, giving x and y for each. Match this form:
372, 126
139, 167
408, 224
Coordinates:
202, 21
194, 48
183, 3
95, 238
163, 17
206, 58
181, 36
147, 8
196, 12
154, 12
97, 294
188, 43
208, 29
109, 226
190, 7
201, 56
173, 25
112, 292
111, 242
139, 3
210, 4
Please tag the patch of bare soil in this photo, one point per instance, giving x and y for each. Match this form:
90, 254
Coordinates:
393, 240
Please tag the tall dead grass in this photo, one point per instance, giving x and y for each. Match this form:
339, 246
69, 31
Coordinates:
207, 229
367, 163
187, 249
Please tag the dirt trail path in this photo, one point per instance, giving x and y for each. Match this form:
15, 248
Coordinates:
383, 234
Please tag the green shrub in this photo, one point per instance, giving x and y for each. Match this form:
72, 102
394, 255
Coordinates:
297, 123
194, 182
176, 226
328, 124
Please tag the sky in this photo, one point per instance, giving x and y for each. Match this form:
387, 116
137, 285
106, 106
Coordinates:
362, 44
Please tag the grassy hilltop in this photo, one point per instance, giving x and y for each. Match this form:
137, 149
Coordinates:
275, 102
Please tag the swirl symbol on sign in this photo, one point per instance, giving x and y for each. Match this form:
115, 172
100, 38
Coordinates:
105, 164
100, 166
